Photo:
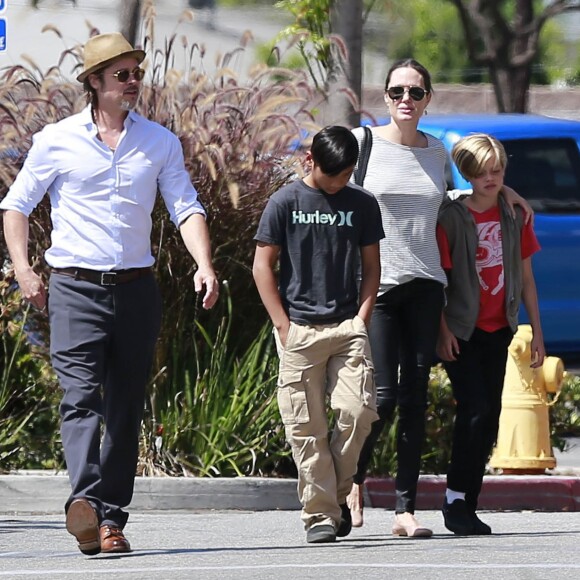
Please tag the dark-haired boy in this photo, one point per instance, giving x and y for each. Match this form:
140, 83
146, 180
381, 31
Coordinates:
323, 230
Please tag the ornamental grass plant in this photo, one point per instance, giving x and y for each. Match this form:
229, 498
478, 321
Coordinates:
240, 137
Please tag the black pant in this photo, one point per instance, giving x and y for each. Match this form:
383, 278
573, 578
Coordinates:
477, 378
403, 333
102, 340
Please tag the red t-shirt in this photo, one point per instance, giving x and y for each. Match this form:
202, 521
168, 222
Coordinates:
489, 265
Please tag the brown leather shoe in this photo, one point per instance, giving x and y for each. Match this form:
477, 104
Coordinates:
113, 540
82, 522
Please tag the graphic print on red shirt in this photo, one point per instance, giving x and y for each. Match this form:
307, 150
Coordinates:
489, 267
489, 264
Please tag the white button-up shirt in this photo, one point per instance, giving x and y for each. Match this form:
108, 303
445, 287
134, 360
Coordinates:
101, 201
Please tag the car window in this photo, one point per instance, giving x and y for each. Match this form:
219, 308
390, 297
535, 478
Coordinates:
546, 172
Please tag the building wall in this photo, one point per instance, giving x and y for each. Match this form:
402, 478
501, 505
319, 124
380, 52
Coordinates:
544, 100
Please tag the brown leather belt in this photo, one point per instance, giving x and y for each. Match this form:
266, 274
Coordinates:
104, 278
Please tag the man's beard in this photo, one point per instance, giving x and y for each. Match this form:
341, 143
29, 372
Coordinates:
127, 106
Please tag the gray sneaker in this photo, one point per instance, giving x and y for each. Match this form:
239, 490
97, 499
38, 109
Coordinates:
323, 534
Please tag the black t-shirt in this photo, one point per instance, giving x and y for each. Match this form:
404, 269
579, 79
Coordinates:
320, 236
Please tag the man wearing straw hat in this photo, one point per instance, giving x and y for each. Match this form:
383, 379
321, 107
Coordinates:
102, 169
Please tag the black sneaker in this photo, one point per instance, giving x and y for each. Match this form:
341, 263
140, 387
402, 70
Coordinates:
345, 526
479, 528
457, 518
323, 534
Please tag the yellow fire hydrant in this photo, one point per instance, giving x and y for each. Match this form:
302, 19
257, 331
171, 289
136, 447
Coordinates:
523, 443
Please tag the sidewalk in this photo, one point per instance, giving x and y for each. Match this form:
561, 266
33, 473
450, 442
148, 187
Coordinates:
44, 492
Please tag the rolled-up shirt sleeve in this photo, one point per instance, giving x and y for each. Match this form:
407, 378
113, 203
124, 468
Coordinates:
179, 194
34, 179
101, 199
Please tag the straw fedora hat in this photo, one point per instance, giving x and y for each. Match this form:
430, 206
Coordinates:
103, 49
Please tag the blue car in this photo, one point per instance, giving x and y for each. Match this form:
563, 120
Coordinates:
544, 167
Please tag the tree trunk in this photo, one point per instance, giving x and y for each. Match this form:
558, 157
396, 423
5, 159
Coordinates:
519, 90
525, 45
129, 18
347, 20
511, 87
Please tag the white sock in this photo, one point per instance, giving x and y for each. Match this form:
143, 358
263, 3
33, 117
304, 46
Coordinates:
451, 495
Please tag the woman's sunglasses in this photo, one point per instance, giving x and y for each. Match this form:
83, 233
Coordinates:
123, 75
416, 93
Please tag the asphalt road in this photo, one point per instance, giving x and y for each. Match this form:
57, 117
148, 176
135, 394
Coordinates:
216, 545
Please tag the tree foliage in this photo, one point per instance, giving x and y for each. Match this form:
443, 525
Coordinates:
428, 32
458, 40
311, 32
328, 36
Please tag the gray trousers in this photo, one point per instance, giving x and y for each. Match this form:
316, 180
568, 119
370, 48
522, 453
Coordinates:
102, 340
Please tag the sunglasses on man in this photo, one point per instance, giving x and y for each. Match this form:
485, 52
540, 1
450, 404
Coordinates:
397, 92
124, 74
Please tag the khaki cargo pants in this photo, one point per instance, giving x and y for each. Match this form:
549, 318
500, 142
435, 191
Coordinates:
321, 361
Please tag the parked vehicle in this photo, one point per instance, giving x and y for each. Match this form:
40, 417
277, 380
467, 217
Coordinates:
544, 167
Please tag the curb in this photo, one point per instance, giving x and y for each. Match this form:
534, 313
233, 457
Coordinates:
45, 493
552, 493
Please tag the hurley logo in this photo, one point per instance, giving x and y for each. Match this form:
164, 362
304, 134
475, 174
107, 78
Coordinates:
340, 219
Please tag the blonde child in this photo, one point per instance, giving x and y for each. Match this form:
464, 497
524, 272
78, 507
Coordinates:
486, 253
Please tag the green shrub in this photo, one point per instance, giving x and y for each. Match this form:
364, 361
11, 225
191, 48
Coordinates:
29, 436
565, 412
211, 408
220, 417
564, 422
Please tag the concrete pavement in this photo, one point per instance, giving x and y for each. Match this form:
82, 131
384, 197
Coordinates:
215, 545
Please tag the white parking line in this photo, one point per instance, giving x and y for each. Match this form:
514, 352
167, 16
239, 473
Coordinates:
357, 565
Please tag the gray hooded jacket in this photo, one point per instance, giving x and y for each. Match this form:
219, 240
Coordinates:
463, 289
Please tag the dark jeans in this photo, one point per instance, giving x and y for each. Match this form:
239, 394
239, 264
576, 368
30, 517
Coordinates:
102, 340
477, 378
403, 333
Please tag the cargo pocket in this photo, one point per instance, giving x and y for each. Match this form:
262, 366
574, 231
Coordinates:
292, 398
358, 321
368, 389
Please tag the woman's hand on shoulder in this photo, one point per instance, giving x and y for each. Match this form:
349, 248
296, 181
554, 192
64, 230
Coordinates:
512, 198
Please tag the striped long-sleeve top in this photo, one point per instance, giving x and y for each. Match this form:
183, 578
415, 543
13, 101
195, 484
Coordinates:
409, 184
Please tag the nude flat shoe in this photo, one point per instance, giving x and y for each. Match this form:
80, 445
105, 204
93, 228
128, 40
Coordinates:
355, 502
407, 525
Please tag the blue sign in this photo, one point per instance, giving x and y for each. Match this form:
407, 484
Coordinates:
2, 5
2, 34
